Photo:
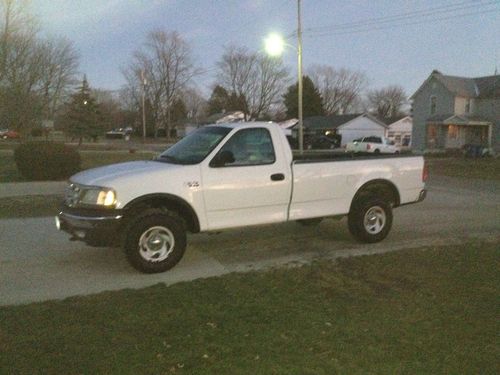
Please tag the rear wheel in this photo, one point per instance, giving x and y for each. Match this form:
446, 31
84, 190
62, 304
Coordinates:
370, 219
155, 241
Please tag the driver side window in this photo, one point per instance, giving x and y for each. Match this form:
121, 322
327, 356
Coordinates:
250, 147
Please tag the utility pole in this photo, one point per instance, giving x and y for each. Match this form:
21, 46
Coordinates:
143, 84
299, 58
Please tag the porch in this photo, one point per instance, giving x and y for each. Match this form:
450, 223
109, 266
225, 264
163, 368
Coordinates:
456, 132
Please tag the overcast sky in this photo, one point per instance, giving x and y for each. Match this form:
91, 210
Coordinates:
455, 37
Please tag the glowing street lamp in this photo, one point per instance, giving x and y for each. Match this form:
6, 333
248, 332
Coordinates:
274, 45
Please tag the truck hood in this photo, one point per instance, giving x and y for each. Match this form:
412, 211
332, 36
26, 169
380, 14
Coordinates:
109, 175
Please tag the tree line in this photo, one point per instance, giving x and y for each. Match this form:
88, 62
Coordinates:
39, 80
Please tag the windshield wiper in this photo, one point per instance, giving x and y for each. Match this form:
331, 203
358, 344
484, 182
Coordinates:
168, 159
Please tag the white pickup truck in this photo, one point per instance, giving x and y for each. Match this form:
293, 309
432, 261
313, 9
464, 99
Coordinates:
373, 144
232, 175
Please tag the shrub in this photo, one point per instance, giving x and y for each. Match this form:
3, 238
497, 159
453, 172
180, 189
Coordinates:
36, 132
46, 161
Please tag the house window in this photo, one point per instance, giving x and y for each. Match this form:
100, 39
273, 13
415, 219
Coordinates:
467, 106
433, 105
453, 132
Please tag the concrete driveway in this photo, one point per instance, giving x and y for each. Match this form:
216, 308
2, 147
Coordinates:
38, 263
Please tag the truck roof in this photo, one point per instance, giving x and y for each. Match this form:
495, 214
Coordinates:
242, 125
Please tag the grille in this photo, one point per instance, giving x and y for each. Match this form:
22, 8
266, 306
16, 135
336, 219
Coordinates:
72, 195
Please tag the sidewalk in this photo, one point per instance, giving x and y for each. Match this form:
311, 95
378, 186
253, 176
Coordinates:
18, 189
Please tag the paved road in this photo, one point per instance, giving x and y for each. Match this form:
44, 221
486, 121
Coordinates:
38, 263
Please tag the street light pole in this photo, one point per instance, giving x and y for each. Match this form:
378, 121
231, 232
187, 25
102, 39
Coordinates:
143, 84
299, 63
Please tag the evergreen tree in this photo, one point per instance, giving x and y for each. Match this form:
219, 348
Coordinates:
218, 101
178, 112
237, 103
312, 102
83, 117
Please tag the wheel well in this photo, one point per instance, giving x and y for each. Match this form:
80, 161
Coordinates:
380, 188
170, 202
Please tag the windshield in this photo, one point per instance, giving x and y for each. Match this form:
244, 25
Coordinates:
195, 147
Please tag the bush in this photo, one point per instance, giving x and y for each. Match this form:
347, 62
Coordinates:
46, 161
36, 132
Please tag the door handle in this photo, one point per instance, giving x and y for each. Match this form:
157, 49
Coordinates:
277, 177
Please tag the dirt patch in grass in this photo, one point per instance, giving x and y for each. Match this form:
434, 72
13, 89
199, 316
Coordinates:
424, 311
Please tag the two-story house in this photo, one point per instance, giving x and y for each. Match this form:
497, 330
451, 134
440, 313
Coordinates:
449, 112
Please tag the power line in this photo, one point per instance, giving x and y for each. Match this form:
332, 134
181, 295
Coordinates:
424, 13
362, 29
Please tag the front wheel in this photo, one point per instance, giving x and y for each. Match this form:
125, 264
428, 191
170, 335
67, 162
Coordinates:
155, 241
370, 219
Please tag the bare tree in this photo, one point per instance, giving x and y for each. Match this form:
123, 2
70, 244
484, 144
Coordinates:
166, 64
59, 64
195, 103
340, 89
236, 70
34, 73
387, 101
256, 79
18, 30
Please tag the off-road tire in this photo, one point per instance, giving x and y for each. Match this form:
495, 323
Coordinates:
168, 227
370, 219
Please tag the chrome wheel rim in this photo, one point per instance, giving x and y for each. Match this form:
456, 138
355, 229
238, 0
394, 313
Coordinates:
156, 244
374, 220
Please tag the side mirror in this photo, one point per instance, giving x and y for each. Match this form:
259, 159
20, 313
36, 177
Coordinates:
222, 158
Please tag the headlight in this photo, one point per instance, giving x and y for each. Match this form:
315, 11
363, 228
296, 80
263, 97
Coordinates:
98, 196
90, 196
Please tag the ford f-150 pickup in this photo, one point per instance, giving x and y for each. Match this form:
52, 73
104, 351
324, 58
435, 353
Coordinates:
232, 175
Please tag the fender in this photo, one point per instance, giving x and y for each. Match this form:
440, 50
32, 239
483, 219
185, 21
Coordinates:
374, 184
170, 201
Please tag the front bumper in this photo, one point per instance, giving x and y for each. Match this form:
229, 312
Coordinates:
96, 228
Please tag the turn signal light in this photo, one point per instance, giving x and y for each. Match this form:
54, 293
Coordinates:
425, 173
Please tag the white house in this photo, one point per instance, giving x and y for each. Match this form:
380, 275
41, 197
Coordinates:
399, 129
364, 125
345, 127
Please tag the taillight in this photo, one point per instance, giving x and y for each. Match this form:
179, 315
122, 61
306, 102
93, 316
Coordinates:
425, 173
368, 146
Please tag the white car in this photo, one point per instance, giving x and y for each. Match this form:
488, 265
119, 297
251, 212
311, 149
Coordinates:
232, 175
373, 144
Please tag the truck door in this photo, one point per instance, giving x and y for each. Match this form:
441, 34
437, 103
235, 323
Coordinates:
246, 182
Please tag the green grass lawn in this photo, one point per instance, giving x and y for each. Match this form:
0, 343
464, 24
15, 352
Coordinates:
486, 168
430, 311
90, 159
30, 206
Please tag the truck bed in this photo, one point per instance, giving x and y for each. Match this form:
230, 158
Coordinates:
317, 157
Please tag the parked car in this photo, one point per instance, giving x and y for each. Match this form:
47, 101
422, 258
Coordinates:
232, 175
119, 133
373, 144
321, 142
8, 134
